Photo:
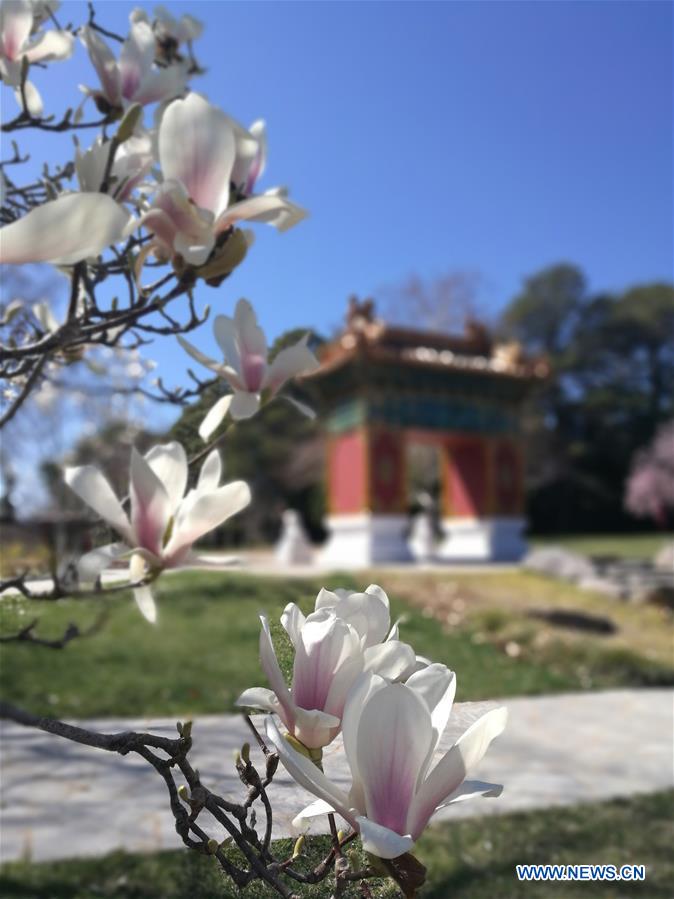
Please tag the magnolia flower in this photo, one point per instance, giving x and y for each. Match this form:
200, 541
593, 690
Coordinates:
17, 20
164, 522
329, 657
64, 231
133, 160
134, 78
245, 366
391, 734
169, 31
200, 151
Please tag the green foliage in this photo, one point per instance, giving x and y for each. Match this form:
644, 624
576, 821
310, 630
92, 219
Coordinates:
612, 384
471, 859
203, 652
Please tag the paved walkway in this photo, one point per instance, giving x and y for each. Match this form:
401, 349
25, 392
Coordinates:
59, 799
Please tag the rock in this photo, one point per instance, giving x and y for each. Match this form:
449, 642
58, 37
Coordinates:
293, 547
664, 558
558, 562
605, 585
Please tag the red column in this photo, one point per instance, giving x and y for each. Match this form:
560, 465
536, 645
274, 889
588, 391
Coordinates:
466, 471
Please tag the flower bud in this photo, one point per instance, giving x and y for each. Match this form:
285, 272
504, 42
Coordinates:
245, 753
128, 124
212, 846
184, 793
299, 846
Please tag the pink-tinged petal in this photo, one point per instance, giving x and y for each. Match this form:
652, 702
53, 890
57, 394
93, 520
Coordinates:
136, 58
470, 789
103, 60
50, 46
325, 644
150, 505
16, 21
247, 149
258, 130
197, 147
169, 462
162, 226
307, 775
393, 660
64, 231
244, 405
366, 685
381, 841
315, 728
199, 356
93, 489
436, 684
272, 671
292, 620
225, 331
269, 208
210, 473
394, 734
214, 417
290, 362
252, 346
454, 767
205, 513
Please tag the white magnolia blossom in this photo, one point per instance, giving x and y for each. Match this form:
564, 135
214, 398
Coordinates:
18, 42
164, 521
245, 366
201, 153
168, 28
134, 77
133, 160
329, 657
391, 735
64, 231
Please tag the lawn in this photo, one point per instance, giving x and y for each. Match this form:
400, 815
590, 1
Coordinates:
623, 546
204, 650
471, 859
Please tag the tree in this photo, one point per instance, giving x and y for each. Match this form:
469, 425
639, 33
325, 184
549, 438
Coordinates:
650, 488
437, 304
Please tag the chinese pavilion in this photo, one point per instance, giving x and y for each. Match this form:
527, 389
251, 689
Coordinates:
384, 388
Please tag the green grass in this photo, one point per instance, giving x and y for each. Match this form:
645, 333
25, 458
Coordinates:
204, 650
624, 546
472, 859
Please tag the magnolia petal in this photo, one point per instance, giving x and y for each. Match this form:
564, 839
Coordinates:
34, 103
302, 822
362, 690
381, 841
145, 602
94, 489
470, 789
244, 405
64, 231
367, 614
169, 462
199, 356
436, 684
301, 407
214, 416
314, 727
292, 620
272, 670
270, 208
326, 599
393, 660
291, 361
454, 767
151, 508
197, 148
136, 58
93, 563
16, 18
50, 46
394, 734
103, 60
307, 775
258, 698
210, 473
194, 252
208, 511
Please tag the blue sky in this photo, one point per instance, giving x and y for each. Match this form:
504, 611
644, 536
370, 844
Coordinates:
496, 137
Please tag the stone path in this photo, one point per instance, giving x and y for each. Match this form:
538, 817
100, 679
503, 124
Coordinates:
58, 799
